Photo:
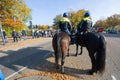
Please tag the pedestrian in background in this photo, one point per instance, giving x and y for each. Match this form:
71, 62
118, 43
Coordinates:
5, 36
24, 34
14, 35
33, 33
19, 34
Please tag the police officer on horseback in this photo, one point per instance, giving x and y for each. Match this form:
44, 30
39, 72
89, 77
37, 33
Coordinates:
65, 24
85, 24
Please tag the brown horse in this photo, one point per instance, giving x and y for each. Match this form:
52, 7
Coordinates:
60, 43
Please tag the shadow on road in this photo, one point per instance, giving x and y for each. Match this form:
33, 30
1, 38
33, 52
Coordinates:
34, 58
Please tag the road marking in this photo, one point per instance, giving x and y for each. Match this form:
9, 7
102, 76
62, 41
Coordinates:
47, 55
113, 77
15, 73
23, 68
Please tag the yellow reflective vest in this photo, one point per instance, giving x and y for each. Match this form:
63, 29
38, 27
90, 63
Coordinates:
64, 20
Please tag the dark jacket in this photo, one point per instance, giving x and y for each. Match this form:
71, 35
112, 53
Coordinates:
24, 33
14, 34
65, 25
4, 34
84, 25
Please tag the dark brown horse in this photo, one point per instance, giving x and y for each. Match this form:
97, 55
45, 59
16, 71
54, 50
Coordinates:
60, 43
96, 46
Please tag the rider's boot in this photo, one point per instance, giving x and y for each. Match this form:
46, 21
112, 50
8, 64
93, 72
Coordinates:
72, 39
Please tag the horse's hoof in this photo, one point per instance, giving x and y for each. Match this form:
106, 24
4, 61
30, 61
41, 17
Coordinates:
63, 72
80, 53
75, 54
68, 55
91, 72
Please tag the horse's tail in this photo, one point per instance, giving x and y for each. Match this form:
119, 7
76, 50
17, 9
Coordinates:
58, 46
101, 55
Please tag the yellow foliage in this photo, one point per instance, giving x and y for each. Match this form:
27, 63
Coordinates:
10, 22
14, 8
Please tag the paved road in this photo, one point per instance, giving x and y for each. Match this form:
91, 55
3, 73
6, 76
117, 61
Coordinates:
19, 58
113, 56
30, 57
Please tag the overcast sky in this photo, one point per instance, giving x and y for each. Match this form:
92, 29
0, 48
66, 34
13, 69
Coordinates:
43, 11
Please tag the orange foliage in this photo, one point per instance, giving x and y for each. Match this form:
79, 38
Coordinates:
10, 22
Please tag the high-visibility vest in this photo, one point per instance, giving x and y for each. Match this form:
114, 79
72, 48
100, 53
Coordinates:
64, 20
87, 18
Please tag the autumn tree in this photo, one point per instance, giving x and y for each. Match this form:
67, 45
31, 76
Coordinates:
14, 13
56, 21
76, 17
43, 27
113, 20
100, 23
110, 22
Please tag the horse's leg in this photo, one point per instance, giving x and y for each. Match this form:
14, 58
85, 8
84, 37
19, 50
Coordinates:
76, 49
62, 62
81, 50
68, 52
93, 61
56, 60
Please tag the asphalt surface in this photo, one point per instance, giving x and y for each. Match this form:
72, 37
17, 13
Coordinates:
20, 57
28, 58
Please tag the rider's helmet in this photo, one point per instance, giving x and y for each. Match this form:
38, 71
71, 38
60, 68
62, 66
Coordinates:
87, 14
65, 14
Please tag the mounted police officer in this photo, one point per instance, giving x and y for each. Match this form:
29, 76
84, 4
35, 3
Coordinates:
85, 24
65, 24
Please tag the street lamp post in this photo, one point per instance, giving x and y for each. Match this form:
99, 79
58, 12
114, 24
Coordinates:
31, 25
1, 32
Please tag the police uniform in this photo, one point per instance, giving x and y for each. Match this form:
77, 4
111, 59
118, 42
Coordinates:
65, 25
85, 25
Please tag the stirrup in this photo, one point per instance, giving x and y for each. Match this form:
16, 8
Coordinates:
81, 33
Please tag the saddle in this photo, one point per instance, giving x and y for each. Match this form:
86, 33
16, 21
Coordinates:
81, 38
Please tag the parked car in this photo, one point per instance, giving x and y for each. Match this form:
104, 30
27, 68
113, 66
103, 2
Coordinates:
100, 30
